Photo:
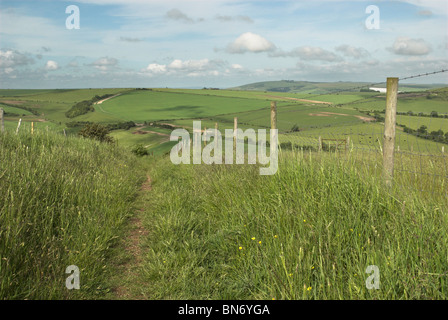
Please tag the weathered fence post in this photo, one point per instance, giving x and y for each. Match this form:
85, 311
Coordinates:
389, 129
273, 115
216, 138
273, 145
235, 135
347, 144
32, 127
2, 120
18, 126
320, 143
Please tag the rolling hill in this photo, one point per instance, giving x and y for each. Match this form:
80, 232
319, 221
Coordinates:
292, 86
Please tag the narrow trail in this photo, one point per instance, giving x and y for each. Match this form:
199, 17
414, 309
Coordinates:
133, 246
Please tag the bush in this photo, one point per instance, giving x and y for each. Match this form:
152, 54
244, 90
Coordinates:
80, 108
295, 128
140, 150
96, 131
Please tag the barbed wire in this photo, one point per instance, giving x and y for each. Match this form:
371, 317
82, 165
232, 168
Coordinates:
336, 91
423, 75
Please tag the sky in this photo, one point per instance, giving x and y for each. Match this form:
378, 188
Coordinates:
218, 43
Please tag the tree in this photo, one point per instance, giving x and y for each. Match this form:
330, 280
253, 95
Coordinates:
139, 150
434, 114
96, 131
422, 130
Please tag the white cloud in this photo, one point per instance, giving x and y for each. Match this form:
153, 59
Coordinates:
352, 52
190, 64
104, 63
250, 42
438, 5
130, 39
410, 47
51, 65
240, 18
13, 58
175, 14
155, 68
308, 53
191, 68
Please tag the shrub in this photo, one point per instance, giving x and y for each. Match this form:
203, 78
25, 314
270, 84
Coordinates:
96, 131
140, 150
295, 128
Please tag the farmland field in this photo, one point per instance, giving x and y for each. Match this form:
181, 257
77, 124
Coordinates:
433, 124
321, 114
154, 106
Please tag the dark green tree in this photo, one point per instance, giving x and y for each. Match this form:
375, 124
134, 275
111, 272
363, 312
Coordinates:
96, 131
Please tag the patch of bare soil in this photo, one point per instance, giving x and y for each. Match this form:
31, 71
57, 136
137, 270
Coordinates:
16, 102
327, 114
101, 101
318, 115
148, 131
368, 119
297, 99
133, 246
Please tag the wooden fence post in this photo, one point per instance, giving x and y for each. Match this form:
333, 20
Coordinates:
18, 126
347, 144
273, 115
2, 120
235, 128
320, 143
32, 127
273, 125
389, 130
216, 138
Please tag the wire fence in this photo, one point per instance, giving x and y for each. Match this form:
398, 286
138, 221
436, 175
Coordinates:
420, 161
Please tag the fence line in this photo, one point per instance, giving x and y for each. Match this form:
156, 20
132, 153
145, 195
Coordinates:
411, 159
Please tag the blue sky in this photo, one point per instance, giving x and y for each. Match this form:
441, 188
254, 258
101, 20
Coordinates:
218, 43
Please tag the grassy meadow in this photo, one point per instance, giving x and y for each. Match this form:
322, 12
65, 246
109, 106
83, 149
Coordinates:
55, 192
308, 232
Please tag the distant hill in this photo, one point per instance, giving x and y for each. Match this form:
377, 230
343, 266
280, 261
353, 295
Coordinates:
292, 86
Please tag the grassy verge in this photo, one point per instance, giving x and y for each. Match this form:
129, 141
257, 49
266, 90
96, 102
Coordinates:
63, 202
309, 232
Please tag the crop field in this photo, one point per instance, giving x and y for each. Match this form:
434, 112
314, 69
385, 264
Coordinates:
147, 105
432, 124
416, 104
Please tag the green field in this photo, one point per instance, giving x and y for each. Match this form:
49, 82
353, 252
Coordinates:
181, 107
220, 231
154, 106
433, 124
416, 104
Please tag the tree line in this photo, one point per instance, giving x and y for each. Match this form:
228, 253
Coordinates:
85, 106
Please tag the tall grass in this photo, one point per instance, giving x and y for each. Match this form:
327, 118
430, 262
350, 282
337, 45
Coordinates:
62, 202
308, 232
